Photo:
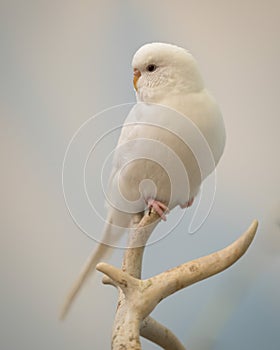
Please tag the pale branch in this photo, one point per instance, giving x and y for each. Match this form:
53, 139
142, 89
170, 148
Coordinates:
126, 319
139, 297
169, 282
150, 328
159, 334
132, 263
126, 329
120, 278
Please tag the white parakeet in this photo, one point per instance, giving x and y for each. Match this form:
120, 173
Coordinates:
160, 162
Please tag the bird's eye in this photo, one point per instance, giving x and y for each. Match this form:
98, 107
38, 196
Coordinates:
151, 67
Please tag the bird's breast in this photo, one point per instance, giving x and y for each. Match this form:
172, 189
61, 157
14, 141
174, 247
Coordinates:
165, 154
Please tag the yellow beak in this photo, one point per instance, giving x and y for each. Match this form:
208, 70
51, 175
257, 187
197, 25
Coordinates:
136, 76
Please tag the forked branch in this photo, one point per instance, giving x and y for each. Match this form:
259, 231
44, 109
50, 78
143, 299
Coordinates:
139, 297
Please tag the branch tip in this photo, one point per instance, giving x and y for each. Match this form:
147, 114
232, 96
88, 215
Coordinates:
116, 276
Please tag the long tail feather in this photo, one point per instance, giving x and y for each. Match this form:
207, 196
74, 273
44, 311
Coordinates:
99, 253
111, 236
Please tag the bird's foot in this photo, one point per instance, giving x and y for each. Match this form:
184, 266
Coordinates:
159, 207
187, 204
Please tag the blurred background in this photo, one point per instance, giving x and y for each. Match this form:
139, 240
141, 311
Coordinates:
64, 61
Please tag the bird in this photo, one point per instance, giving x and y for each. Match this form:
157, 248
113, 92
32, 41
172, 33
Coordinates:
159, 162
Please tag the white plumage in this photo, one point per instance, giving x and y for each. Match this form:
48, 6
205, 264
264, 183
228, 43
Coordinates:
171, 141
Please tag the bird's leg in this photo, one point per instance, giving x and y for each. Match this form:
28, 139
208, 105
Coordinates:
187, 204
159, 207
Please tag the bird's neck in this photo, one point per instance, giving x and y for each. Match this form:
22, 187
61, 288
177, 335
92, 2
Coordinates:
150, 95
160, 96
154, 94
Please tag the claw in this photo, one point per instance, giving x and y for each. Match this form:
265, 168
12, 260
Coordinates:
158, 207
187, 204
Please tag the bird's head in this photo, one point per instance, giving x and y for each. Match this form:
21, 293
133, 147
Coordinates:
161, 69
